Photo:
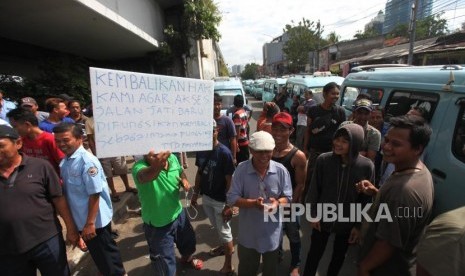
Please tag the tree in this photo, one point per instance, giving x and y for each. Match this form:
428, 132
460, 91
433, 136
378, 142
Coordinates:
200, 21
222, 68
202, 18
431, 26
250, 71
303, 38
427, 27
368, 33
333, 38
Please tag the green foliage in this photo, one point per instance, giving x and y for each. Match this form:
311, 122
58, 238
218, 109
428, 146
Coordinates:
250, 71
370, 32
332, 38
200, 21
427, 27
303, 38
431, 26
58, 75
202, 18
223, 69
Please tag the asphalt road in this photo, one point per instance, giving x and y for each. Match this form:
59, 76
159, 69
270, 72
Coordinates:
134, 249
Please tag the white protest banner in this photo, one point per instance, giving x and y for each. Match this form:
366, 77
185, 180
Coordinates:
135, 112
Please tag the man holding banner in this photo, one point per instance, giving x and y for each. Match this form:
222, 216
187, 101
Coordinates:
158, 177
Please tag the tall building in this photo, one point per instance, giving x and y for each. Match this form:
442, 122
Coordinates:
236, 70
376, 23
398, 12
274, 58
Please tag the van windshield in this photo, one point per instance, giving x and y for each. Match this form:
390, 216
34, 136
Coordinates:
228, 96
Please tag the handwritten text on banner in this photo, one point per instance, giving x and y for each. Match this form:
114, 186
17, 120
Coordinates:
135, 112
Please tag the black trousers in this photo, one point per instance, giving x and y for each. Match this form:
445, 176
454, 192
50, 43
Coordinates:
317, 248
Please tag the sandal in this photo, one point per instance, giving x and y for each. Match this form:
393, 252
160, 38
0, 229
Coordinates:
196, 263
131, 190
115, 198
217, 251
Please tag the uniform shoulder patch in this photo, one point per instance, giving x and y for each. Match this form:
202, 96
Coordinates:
92, 171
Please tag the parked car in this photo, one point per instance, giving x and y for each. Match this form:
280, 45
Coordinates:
440, 91
271, 88
298, 84
228, 88
257, 88
248, 86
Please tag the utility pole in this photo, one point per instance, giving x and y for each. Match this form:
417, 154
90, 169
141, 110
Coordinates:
317, 59
412, 30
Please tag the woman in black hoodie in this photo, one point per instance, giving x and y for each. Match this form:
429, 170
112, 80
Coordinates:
333, 181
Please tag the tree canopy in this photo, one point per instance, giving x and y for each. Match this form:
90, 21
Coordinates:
427, 27
250, 71
303, 38
202, 18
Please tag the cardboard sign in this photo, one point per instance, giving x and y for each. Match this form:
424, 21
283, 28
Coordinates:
135, 112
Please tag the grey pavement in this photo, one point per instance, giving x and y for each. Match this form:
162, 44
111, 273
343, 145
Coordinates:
134, 249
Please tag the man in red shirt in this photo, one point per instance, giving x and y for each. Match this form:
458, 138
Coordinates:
36, 142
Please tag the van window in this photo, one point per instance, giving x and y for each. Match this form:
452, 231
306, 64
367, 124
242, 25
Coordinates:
351, 93
401, 102
458, 145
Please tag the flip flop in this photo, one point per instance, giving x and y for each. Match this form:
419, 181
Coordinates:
195, 263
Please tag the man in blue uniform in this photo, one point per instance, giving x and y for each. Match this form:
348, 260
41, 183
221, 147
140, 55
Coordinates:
88, 195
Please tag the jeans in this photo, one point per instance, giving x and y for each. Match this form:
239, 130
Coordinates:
161, 242
317, 248
49, 257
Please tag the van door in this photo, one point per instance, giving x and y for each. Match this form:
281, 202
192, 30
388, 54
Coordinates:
446, 157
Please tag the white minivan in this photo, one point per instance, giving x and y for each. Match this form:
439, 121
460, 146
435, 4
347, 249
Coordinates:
228, 88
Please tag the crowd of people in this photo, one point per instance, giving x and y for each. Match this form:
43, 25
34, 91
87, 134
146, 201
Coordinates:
48, 166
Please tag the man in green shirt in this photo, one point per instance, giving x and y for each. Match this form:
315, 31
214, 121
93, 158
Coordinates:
158, 178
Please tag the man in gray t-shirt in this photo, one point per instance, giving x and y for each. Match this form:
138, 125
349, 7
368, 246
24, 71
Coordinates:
405, 200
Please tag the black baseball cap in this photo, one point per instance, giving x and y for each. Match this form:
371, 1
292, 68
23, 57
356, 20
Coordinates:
8, 132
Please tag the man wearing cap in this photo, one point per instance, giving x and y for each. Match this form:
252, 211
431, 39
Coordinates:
259, 185
213, 179
5, 106
296, 163
372, 138
30, 103
30, 233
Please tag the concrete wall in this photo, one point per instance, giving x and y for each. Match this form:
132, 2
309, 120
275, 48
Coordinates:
200, 66
146, 15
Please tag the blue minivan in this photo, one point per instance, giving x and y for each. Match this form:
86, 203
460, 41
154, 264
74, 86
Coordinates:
271, 88
440, 90
298, 84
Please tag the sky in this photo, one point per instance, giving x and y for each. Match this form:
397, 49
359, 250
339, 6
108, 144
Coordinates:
247, 24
